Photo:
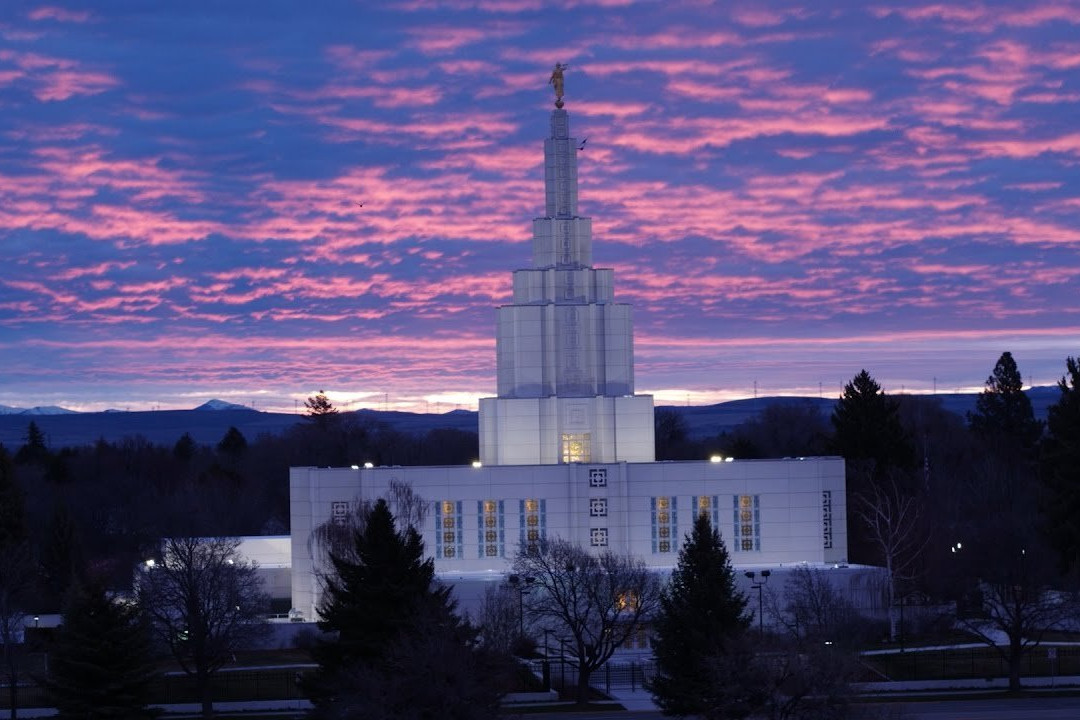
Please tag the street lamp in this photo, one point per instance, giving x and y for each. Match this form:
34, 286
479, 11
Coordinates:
521, 584
757, 585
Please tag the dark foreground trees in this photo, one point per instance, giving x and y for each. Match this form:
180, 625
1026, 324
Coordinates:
1060, 469
594, 603
101, 665
702, 660
395, 646
203, 601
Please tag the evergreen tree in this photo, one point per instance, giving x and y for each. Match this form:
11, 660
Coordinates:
699, 632
869, 436
377, 599
34, 449
320, 410
185, 448
1061, 469
867, 425
1003, 417
233, 443
101, 664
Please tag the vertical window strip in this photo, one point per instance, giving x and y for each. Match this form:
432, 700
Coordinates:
449, 529
747, 520
533, 522
709, 505
490, 529
664, 524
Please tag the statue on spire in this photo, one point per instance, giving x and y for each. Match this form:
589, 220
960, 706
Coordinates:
556, 79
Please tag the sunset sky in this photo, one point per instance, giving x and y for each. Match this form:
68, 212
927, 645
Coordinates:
788, 193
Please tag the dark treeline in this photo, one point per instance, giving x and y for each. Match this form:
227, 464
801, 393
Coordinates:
942, 499
107, 505
994, 481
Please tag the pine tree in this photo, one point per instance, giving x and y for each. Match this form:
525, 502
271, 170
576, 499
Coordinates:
699, 634
320, 410
1003, 417
101, 664
867, 425
233, 443
1060, 465
869, 436
375, 599
34, 450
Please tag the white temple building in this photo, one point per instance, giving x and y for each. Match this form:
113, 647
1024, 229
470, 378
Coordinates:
567, 448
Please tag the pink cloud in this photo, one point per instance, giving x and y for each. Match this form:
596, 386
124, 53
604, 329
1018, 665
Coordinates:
59, 14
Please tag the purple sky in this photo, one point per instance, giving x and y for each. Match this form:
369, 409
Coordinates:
788, 194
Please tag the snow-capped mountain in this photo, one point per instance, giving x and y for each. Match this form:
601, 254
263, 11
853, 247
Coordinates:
221, 405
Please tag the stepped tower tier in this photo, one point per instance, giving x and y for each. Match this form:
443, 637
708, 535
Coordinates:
564, 347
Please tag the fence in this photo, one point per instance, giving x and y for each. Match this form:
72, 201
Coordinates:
269, 684
968, 663
613, 674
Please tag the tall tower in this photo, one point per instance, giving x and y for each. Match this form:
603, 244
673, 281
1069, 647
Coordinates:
564, 348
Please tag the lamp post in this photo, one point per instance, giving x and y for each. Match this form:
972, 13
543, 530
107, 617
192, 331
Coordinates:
521, 584
757, 585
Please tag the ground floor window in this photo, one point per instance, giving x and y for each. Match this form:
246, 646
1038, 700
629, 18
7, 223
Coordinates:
491, 529
664, 524
449, 530
533, 518
747, 517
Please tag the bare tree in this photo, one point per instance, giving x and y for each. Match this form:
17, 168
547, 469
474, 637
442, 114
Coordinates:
499, 618
16, 574
203, 602
336, 534
814, 611
892, 520
597, 602
1009, 563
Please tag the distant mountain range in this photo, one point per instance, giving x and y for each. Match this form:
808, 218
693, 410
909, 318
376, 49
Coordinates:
208, 423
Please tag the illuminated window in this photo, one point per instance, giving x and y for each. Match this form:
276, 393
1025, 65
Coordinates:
747, 520
449, 534
598, 537
597, 507
598, 477
491, 528
664, 524
709, 506
533, 519
576, 447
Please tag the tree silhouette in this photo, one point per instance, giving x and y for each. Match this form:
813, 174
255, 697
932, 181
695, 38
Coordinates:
1060, 465
698, 630
101, 663
320, 410
203, 601
1003, 417
380, 599
594, 602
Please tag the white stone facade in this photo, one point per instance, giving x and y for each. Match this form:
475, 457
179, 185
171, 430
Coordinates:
768, 512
